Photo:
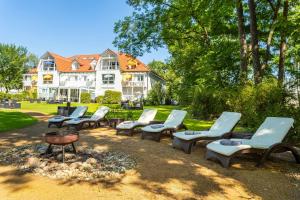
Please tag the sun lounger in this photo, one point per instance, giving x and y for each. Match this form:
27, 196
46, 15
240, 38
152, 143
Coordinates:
59, 120
95, 119
221, 128
128, 127
266, 140
174, 122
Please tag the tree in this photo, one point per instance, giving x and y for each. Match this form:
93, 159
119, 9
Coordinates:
283, 45
12, 65
32, 60
243, 41
254, 42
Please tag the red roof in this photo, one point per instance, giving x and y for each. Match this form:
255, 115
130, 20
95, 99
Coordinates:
127, 62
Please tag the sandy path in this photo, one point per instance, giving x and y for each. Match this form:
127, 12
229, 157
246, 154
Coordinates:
162, 173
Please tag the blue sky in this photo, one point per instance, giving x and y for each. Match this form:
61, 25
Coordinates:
66, 27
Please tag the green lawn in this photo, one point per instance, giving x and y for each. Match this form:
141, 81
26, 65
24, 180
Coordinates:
10, 120
162, 114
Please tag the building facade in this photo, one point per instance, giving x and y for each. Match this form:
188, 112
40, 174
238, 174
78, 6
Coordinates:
65, 78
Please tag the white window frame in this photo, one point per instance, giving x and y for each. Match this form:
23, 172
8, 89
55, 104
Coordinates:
108, 79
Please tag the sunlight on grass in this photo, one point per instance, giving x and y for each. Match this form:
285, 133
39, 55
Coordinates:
10, 120
162, 114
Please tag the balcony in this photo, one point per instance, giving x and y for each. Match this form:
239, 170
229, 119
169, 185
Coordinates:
132, 83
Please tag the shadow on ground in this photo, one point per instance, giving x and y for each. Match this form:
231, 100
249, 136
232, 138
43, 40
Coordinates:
167, 172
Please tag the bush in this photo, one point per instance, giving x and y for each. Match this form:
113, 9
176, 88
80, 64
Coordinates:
157, 95
112, 97
254, 102
85, 97
99, 99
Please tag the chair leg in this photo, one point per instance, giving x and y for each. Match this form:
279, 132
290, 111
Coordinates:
74, 149
63, 153
224, 160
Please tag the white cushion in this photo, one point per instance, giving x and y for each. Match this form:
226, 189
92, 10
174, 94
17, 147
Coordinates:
147, 116
100, 113
129, 124
225, 123
222, 125
175, 118
78, 120
197, 134
79, 112
271, 131
154, 130
58, 119
228, 150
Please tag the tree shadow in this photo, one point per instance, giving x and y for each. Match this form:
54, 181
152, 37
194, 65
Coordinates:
167, 172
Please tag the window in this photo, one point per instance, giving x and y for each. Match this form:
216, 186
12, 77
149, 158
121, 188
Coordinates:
48, 65
109, 64
140, 77
84, 78
75, 65
108, 79
48, 79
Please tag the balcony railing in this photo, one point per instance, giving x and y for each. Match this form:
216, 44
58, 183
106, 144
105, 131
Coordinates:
132, 83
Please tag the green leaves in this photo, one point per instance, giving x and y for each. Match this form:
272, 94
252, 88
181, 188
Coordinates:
12, 66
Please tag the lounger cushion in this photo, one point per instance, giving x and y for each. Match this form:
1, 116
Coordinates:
223, 124
99, 114
175, 118
197, 134
130, 124
154, 128
217, 147
147, 116
78, 112
271, 131
58, 119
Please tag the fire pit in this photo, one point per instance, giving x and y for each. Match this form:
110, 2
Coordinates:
55, 138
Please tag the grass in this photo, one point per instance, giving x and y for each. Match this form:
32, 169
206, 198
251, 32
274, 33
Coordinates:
10, 120
162, 114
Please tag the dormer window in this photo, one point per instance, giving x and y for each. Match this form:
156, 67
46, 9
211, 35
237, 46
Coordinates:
131, 64
48, 65
93, 64
75, 65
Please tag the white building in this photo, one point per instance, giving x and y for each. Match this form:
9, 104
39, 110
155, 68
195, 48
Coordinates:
65, 78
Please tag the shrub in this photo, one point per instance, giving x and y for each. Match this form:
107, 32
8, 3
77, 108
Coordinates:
156, 95
99, 99
112, 97
85, 97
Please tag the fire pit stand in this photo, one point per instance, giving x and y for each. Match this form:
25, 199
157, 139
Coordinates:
54, 138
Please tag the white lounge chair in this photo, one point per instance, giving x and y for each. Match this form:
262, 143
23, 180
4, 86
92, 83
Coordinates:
147, 116
59, 120
266, 140
95, 119
221, 128
174, 122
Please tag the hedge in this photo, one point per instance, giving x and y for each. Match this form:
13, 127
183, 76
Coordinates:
112, 97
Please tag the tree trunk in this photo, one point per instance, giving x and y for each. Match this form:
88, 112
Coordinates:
281, 69
254, 42
271, 33
243, 42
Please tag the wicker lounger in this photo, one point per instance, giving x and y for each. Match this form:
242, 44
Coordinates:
59, 120
94, 121
129, 127
173, 123
220, 129
267, 139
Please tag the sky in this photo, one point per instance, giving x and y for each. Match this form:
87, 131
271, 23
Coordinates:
66, 27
